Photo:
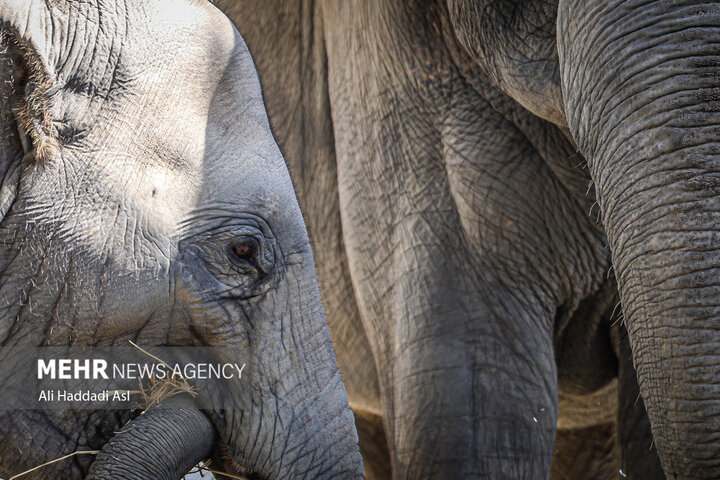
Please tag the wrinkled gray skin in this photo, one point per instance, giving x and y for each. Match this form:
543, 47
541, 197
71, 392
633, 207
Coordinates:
476, 175
135, 154
159, 430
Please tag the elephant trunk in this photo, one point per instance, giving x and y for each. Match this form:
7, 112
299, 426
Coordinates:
643, 103
163, 443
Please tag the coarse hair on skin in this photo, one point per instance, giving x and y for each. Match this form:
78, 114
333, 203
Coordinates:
32, 107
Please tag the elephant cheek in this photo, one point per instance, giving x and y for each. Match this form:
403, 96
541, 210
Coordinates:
289, 415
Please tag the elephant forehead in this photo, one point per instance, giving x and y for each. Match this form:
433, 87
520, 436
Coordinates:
138, 150
183, 47
154, 57
92, 38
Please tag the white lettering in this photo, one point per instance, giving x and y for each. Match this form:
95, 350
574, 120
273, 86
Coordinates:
46, 368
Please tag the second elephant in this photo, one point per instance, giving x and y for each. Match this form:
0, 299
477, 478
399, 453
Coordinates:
475, 175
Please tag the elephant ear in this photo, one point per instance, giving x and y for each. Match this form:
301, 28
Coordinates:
29, 21
26, 32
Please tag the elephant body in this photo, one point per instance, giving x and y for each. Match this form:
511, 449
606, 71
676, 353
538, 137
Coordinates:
460, 202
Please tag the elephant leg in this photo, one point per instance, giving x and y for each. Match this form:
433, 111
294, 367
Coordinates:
639, 458
461, 243
457, 295
469, 386
472, 387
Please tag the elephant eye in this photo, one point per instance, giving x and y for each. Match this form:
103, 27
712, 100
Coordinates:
244, 254
247, 255
243, 251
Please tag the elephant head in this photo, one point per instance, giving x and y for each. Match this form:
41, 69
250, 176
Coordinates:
143, 197
636, 86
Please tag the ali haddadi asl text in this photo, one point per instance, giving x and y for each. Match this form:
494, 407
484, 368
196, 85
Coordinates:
84, 396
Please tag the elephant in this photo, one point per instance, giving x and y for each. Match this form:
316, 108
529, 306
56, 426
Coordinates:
514, 210
144, 198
